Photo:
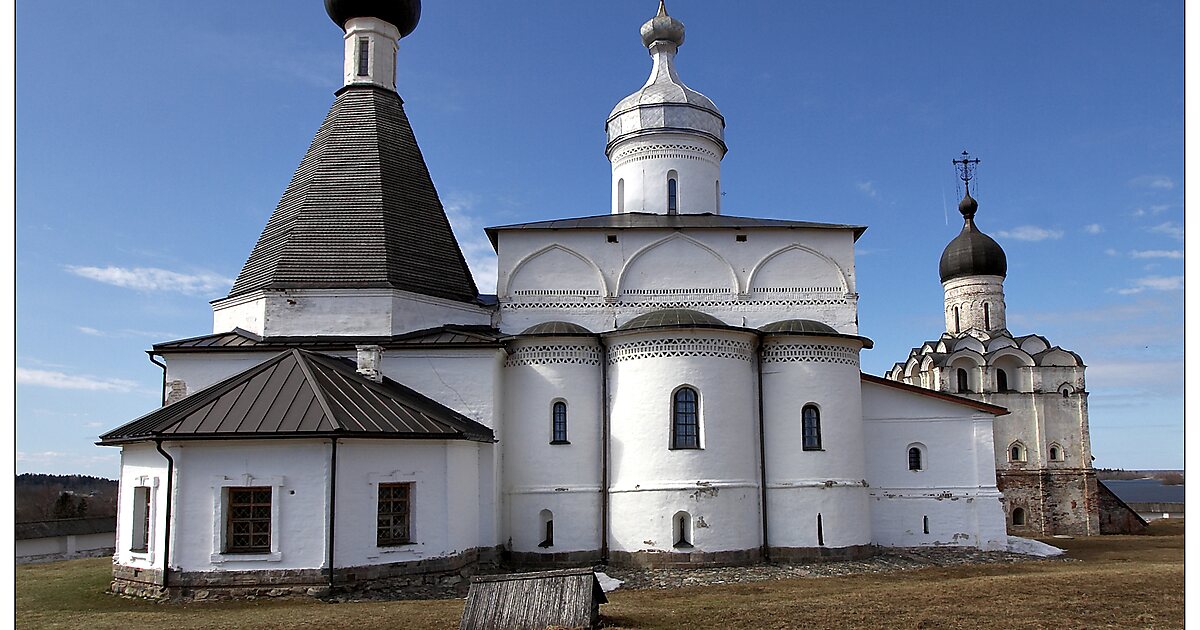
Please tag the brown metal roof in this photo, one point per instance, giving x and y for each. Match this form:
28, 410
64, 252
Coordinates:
301, 394
628, 220
239, 339
951, 398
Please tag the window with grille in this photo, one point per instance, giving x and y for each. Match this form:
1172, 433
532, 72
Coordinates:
914, 458
141, 519
249, 528
811, 418
559, 420
364, 56
685, 430
395, 514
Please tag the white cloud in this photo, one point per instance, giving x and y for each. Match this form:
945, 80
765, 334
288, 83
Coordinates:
126, 333
868, 189
476, 247
1150, 211
1030, 233
154, 279
1153, 283
1158, 182
1093, 228
1169, 228
88, 330
62, 380
1111, 252
1174, 254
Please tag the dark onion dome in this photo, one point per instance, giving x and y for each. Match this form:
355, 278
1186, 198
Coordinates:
810, 328
403, 14
556, 329
673, 317
972, 253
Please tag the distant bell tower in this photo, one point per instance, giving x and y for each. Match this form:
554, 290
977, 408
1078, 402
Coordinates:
973, 268
666, 140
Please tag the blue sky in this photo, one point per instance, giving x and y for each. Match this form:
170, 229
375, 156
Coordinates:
154, 140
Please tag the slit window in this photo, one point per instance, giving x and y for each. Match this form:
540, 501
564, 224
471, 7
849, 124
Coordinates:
559, 421
987, 316
249, 524
925, 524
811, 420
547, 519
394, 524
364, 56
672, 194
957, 327
621, 195
141, 519
685, 430
820, 531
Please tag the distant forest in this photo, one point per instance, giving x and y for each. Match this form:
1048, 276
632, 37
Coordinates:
1167, 477
41, 497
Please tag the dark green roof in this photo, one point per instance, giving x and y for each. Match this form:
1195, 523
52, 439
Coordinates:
810, 328
556, 328
674, 317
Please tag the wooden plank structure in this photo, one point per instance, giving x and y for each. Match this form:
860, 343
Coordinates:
567, 598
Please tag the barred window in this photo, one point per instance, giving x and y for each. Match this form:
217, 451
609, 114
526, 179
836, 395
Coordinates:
914, 458
811, 419
249, 520
685, 430
559, 421
395, 514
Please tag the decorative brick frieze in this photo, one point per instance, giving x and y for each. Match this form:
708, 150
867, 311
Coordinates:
680, 347
548, 354
809, 353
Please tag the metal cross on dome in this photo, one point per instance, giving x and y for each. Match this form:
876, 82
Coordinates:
966, 169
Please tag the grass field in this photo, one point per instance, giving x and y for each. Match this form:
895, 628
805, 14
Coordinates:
1119, 582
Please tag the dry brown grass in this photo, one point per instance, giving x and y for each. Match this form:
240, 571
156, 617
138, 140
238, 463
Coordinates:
1119, 582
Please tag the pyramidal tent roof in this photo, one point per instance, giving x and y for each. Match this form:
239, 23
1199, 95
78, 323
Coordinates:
301, 394
361, 211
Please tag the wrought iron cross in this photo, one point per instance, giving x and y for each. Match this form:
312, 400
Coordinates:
966, 169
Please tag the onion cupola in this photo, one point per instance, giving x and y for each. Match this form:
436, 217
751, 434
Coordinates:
403, 14
666, 140
972, 253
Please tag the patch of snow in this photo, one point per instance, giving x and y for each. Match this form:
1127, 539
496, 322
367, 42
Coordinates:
609, 584
1016, 544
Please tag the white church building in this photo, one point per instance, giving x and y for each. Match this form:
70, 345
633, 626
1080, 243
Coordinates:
660, 385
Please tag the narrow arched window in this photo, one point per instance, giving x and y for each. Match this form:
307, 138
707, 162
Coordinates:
718, 206
925, 524
681, 524
1054, 453
963, 384
672, 192
820, 531
987, 316
1018, 516
914, 458
1001, 381
1066, 392
1016, 452
685, 419
811, 420
621, 195
957, 326
559, 422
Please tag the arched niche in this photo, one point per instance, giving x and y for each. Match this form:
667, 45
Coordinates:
556, 271
677, 265
797, 268
1058, 358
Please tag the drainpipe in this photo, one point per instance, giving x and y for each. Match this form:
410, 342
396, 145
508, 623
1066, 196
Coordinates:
332, 503
167, 530
604, 438
164, 379
762, 454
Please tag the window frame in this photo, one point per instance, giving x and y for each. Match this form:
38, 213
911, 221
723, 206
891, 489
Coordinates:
141, 522
409, 490
920, 452
554, 422
804, 428
1022, 452
221, 486
676, 424
364, 57
672, 192
255, 505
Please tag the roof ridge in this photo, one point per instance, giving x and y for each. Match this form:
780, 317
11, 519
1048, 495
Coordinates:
318, 392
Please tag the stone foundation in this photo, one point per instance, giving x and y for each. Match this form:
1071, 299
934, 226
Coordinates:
814, 554
443, 574
1055, 501
566, 559
671, 559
